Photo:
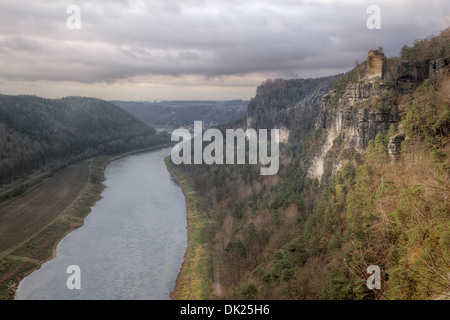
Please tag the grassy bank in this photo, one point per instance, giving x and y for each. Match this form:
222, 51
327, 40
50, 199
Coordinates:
194, 281
21, 260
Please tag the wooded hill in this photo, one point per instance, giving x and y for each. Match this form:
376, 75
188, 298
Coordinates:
39, 135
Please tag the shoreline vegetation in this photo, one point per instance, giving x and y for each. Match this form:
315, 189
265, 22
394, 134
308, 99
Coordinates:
19, 261
194, 279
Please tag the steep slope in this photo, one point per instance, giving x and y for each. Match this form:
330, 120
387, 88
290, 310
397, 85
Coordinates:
363, 104
351, 117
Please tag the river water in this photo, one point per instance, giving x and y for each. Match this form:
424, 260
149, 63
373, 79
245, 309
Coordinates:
132, 243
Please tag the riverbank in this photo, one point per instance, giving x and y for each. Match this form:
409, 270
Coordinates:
194, 282
20, 260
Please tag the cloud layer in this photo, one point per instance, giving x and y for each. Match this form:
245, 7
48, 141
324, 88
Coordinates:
221, 43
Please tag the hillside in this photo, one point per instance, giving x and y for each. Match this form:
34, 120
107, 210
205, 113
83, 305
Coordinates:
175, 114
40, 135
364, 180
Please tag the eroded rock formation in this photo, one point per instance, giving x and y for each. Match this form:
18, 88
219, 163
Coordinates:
348, 120
375, 64
395, 145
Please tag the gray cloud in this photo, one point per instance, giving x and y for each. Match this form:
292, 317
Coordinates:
126, 39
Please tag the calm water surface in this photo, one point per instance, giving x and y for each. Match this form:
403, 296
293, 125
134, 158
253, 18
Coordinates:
132, 243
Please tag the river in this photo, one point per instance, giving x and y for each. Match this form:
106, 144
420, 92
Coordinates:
132, 243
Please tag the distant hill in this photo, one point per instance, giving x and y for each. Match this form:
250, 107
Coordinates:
37, 134
183, 113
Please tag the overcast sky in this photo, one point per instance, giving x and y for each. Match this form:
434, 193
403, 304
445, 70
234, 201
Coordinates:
195, 49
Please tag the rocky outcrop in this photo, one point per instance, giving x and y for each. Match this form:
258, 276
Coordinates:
284, 134
348, 120
375, 64
395, 146
439, 68
411, 74
354, 128
357, 127
356, 94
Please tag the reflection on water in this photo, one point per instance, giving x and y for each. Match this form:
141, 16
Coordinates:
132, 244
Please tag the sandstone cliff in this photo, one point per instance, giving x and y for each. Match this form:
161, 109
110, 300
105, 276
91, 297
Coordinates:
354, 114
346, 111
349, 119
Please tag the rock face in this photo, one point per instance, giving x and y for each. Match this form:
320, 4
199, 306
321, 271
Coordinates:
361, 111
410, 74
344, 121
358, 93
348, 120
375, 64
437, 69
284, 134
354, 128
395, 145
357, 126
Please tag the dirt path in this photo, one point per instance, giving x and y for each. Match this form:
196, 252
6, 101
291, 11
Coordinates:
24, 216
